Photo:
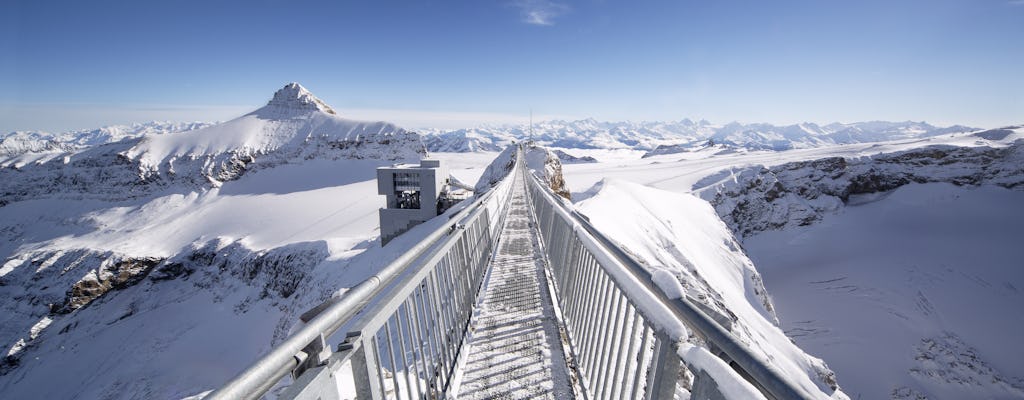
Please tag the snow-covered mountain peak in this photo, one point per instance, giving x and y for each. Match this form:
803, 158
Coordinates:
291, 100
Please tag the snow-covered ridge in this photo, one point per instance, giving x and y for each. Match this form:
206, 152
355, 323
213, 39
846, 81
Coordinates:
294, 126
680, 135
756, 199
17, 143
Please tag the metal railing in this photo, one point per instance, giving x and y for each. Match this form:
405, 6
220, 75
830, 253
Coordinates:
405, 325
628, 339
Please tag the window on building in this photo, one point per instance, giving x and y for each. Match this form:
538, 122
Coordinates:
407, 181
407, 190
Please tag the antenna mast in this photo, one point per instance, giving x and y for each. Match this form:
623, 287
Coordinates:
531, 125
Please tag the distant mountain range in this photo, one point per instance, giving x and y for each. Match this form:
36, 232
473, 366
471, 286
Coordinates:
676, 136
651, 136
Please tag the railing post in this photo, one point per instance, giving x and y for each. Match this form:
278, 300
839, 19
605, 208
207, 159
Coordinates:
364, 368
665, 368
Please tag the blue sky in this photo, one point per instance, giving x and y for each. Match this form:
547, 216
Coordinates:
76, 64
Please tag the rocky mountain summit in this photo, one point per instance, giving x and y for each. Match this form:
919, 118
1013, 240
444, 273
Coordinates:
293, 126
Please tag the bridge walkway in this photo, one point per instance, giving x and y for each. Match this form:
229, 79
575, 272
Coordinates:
515, 350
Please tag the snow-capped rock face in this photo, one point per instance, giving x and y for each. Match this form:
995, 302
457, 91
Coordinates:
292, 100
800, 193
680, 136
292, 127
567, 158
546, 164
541, 161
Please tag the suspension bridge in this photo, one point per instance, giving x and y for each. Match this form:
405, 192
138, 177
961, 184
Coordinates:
516, 297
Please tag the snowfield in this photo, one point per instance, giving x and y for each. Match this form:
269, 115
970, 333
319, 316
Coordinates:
158, 260
916, 292
680, 236
897, 263
159, 266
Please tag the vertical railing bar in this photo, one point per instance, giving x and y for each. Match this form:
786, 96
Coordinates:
598, 324
585, 317
375, 346
405, 351
439, 332
576, 288
628, 337
458, 264
569, 273
451, 311
565, 291
420, 343
571, 252
429, 328
391, 353
453, 304
588, 319
641, 360
608, 340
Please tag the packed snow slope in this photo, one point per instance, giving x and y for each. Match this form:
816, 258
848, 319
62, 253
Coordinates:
678, 136
914, 294
681, 236
159, 266
897, 262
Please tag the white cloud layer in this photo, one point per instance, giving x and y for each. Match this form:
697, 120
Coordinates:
540, 12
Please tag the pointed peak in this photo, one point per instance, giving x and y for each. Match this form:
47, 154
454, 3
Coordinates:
295, 97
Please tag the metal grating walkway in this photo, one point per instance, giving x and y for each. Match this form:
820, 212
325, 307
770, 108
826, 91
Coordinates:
515, 350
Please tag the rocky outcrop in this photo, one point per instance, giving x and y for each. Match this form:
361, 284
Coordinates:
49, 288
546, 165
110, 276
539, 160
46, 286
278, 272
567, 158
800, 193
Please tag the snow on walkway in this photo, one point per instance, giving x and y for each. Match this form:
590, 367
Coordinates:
515, 351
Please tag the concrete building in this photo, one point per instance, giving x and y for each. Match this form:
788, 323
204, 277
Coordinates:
414, 194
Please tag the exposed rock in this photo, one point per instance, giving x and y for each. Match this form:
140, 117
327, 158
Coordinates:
109, 276
800, 193
546, 165
947, 359
278, 271
567, 158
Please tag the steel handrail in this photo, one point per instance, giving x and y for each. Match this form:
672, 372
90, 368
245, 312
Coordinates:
259, 377
621, 267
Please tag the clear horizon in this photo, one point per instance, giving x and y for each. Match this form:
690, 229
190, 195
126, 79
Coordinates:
462, 64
